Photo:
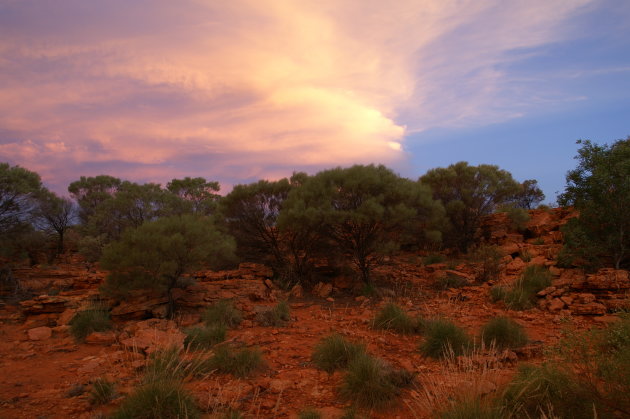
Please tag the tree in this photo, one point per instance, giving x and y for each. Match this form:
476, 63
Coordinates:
156, 254
529, 195
468, 193
55, 215
251, 214
19, 189
599, 189
364, 210
195, 195
91, 192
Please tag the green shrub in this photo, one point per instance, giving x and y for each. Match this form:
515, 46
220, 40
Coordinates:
434, 258
497, 293
442, 338
518, 217
540, 390
223, 313
504, 332
489, 260
102, 392
277, 316
204, 337
369, 383
335, 352
93, 319
238, 362
309, 414
523, 295
167, 364
162, 399
450, 281
472, 408
393, 317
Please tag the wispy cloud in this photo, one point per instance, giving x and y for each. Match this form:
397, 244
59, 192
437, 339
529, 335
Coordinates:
237, 90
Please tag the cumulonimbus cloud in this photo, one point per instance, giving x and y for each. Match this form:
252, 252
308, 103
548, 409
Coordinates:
245, 89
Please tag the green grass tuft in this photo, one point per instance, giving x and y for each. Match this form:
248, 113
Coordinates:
504, 332
277, 316
94, 319
472, 409
310, 413
370, 383
444, 337
335, 352
163, 399
223, 313
198, 338
393, 317
238, 362
102, 392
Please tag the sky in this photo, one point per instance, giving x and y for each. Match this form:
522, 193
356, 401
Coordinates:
151, 90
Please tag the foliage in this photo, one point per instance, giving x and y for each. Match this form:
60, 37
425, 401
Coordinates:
472, 408
469, 193
102, 392
162, 399
489, 259
538, 390
599, 189
309, 413
276, 316
434, 258
156, 254
522, 295
238, 362
204, 337
92, 192
55, 215
335, 352
528, 196
518, 217
251, 213
19, 189
449, 281
195, 196
393, 317
442, 338
363, 210
94, 319
222, 313
504, 333
370, 383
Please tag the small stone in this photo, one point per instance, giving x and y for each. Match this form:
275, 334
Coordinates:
40, 333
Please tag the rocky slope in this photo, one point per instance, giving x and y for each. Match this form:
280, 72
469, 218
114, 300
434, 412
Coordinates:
47, 374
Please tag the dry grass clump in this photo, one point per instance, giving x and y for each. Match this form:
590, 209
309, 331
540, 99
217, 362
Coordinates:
523, 295
93, 319
393, 317
162, 399
335, 352
444, 337
372, 384
503, 332
102, 392
238, 362
223, 312
199, 338
309, 413
277, 316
